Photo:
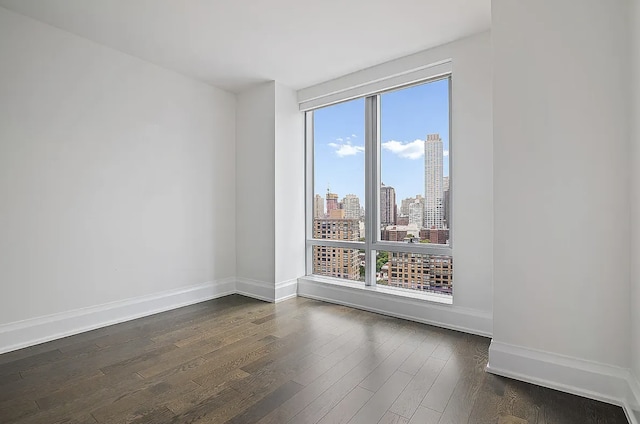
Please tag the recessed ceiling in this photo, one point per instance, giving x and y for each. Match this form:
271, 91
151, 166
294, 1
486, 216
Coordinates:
233, 44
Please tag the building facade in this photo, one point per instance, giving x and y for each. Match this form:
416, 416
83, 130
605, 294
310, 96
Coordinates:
318, 206
335, 261
332, 202
420, 272
387, 205
351, 206
433, 181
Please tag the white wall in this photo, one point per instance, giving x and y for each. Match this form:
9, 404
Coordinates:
289, 187
472, 154
561, 260
116, 176
255, 167
635, 191
270, 192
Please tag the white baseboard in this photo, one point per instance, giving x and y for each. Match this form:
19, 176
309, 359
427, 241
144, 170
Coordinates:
286, 290
17, 335
606, 383
261, 290
432, 313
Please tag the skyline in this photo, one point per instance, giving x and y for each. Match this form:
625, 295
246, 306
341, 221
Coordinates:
407, 116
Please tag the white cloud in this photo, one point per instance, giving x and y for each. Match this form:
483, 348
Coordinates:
338, 139
445, 153
411, 150
353, 135
346, 149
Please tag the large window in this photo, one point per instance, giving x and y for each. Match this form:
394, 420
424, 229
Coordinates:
379, 189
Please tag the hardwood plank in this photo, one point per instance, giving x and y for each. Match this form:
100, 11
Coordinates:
347, 408
23, 364
417, 359
378, 405
14, 410
411, 397
320, 396
298, 361
267, 404
472, 355
387, 368
426, 416
391, 418
140, 403
438, 395
444, 350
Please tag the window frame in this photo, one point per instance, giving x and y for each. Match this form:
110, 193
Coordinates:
372, 244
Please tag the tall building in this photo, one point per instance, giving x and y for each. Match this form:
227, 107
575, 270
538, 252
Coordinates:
351, 206
404, 205
336, 261
387, 205
433, 181
318, 206
332, 202
446, 203
416, 213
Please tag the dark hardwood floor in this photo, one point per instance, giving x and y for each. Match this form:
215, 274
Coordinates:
239, 360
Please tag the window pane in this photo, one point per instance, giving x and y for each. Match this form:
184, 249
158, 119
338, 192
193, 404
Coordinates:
338, 262
414, 161
338, 149
415, 271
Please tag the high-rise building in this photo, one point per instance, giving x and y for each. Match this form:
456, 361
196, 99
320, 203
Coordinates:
446, 202
404, 205
332, 202
416, 213
351, 206
336, 214
387, 205
336, 261
318, 206
433, 181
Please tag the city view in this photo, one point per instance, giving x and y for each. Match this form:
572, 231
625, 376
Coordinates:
414, 195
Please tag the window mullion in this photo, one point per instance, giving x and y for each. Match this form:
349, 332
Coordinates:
309, 189
372, 169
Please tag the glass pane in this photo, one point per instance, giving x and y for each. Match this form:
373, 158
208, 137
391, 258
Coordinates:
414, 161
338, 262
338, 138
415, 271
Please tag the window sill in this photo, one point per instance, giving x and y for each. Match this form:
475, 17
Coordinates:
440, 299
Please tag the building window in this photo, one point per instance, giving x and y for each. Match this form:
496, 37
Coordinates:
379, 188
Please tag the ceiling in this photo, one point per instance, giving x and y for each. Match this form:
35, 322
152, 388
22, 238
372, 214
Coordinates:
234, 44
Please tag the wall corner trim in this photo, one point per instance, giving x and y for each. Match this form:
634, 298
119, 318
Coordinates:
257, 289
286, 289
594, 380
32, 331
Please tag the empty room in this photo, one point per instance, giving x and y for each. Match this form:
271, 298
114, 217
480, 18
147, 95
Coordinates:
339, 211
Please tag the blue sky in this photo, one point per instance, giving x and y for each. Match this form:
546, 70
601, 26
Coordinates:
407, 116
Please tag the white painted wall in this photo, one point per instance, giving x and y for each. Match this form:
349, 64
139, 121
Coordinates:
255, 167
116, 176
561, 260
472, 154
635, 190
289, 187
270, 191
